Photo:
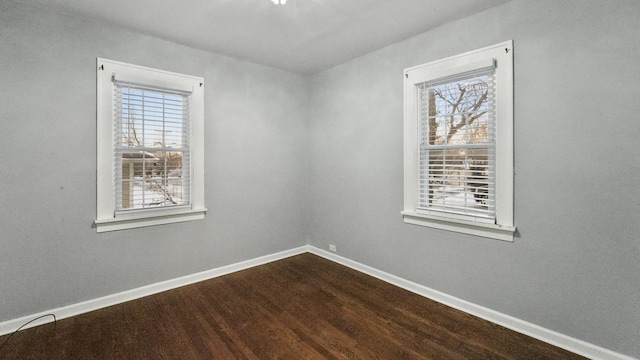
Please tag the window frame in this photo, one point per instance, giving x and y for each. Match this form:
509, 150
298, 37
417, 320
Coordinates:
106, 217
501, 55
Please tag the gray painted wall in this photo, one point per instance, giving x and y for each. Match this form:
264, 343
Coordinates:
255, 164
574, 266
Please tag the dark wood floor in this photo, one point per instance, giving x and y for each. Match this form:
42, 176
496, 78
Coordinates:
303, 307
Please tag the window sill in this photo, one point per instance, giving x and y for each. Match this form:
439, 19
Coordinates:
498, 232
132, 222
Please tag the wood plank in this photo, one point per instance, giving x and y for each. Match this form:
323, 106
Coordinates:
303, 307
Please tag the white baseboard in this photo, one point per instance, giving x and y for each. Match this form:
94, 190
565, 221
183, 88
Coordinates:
538, 332
549, 336
10, 326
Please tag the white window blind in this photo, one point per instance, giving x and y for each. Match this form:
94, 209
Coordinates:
457, 145
151, 147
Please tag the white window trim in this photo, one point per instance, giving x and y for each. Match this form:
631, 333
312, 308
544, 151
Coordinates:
502, 55
106, 216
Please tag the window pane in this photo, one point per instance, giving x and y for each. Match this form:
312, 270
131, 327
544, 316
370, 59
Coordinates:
152, 147
456, 170
153, 179
458, 112
153, 119
458, 180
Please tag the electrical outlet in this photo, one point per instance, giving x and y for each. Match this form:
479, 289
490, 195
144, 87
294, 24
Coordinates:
332, 247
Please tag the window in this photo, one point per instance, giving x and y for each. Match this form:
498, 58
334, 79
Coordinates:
458, 145
150, 147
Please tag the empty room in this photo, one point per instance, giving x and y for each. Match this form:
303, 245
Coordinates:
320, 179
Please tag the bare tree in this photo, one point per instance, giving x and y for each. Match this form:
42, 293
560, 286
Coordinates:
464, 102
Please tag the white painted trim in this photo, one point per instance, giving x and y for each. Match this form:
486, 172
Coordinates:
498, 232
549, 336
160, 218
538, 332
10, 326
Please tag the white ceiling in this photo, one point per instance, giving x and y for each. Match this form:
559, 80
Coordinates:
303, 36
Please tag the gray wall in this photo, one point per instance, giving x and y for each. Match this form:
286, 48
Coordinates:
574, 266
255, 164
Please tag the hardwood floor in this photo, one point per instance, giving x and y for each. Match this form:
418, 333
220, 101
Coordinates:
303, 307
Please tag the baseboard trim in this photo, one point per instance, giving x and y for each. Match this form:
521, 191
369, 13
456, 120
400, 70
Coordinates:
538, 332
549, 336
10, 326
